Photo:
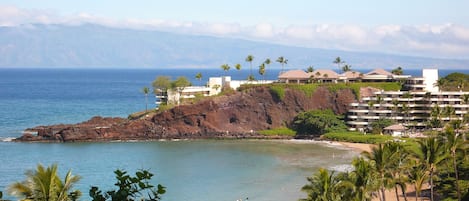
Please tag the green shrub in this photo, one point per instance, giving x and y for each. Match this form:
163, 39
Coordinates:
130, 188
357, 137
283, 131
318, 122
278, 91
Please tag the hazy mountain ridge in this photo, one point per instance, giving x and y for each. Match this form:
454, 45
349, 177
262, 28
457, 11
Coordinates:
103, 47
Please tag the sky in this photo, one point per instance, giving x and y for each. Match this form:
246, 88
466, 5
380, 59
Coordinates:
431, 28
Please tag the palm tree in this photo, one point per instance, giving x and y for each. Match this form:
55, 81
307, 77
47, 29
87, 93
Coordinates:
310, 69
322, 187
146, 91
362, 179
407, 96
338, 61
44, 184
225, 68
262, 70
397, 71
249, 59
398, 158
346, 68
383, 157
238, 67
417, 174
449, 112
432, 153
440, 83
282, 61
395, 107
198, 76
454, 143
267, 62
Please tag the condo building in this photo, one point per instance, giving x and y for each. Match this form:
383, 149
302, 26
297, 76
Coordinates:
419, 102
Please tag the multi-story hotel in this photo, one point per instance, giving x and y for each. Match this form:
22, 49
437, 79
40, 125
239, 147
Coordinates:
414, 106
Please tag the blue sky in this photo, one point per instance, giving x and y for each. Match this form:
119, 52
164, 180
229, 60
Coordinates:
434, 28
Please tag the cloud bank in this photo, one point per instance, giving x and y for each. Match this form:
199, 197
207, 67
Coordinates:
438, 41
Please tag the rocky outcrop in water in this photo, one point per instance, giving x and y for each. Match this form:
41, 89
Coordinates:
238, 115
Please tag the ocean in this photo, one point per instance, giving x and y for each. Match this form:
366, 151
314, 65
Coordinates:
206, 170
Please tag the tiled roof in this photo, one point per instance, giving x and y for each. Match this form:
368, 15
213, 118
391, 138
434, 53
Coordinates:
351, 74
320, 73
395, 127
379, 71
294, 74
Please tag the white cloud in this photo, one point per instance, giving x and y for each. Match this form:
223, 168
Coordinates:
264, 30
444, 40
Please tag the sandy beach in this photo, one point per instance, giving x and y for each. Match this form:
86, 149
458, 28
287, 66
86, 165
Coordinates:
357, 146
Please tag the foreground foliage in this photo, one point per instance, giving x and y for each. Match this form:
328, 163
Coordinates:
130, 188
44, 184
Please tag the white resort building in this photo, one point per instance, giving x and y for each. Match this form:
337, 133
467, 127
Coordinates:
213, 87
413, 107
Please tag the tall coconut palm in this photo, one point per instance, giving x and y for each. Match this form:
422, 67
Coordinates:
323, 186
249, 59
397, 71
397, 168
310, 69
395, 104
338, 61
146, 91
267, 62
417, 174
383, 157
282, 61
238, 67
346, 68
432, 153
225, 68
262, 70
454, 143
449, 112
44, 184
198, 76
440, 83
362, 179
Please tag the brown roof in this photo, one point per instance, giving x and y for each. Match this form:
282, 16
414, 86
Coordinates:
351, 74
294, 74
395, 127
379, 71
323, 72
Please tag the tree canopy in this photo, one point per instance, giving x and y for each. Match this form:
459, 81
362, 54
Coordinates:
317, 122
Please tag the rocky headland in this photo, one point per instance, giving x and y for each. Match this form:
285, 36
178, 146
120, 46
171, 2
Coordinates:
237, 115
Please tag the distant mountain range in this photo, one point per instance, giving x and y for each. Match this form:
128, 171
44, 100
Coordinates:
96, 46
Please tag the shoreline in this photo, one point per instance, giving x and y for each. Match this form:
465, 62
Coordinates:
361, 147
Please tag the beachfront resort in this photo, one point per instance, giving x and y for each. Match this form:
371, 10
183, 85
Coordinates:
419, 103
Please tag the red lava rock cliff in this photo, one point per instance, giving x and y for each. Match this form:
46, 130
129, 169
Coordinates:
238, 115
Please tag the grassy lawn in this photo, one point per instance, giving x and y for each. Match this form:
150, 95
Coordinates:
357, 137
309, 89
278, 132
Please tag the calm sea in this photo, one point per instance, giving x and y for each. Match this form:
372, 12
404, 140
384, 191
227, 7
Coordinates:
192, 170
